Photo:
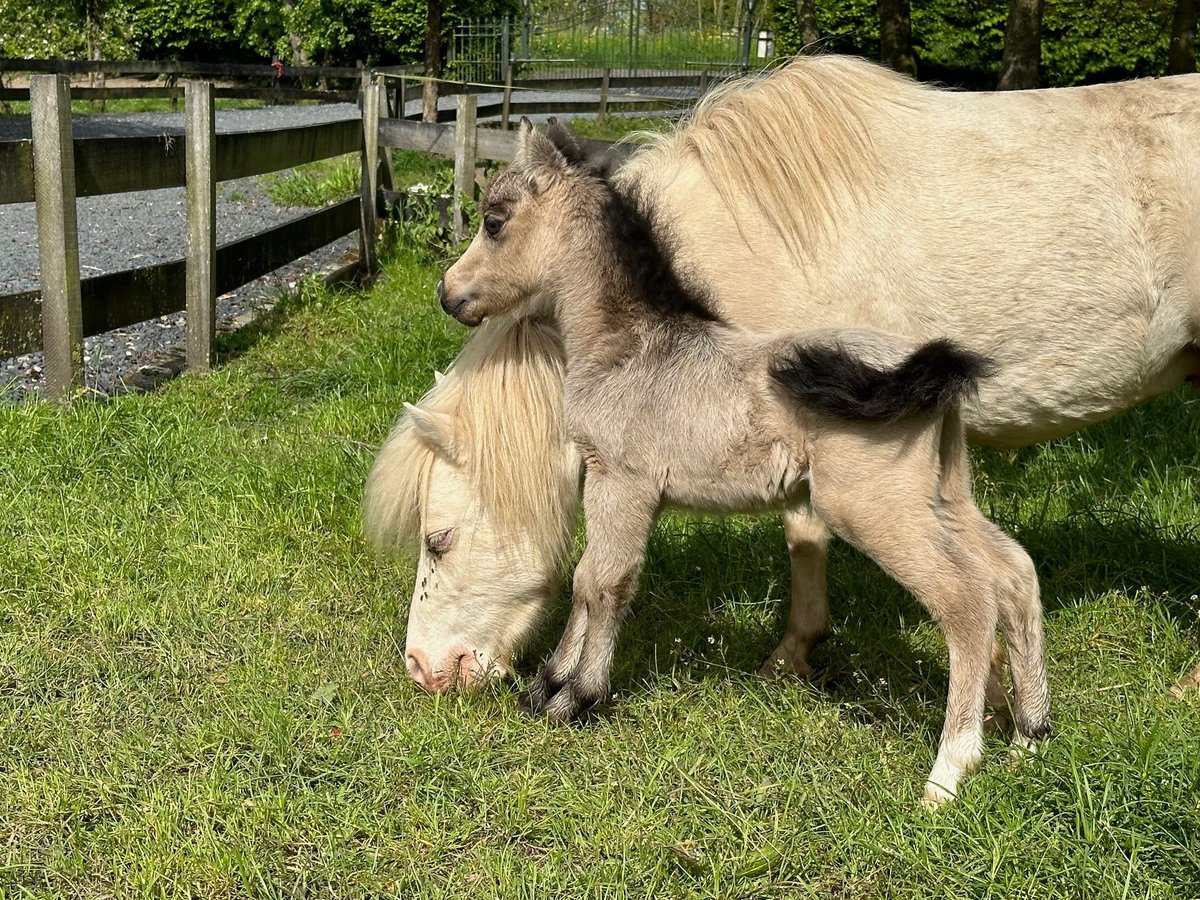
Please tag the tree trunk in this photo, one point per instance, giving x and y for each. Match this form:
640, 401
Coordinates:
1022, 46
895, 36
433, 60
806, 16
1182, 57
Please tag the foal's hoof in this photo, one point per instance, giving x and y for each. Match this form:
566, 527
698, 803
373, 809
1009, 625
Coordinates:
1189, 682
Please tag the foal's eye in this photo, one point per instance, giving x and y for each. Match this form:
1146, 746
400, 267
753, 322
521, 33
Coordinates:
492, 225
439, 542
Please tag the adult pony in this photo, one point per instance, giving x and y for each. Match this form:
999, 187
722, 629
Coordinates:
1057, 232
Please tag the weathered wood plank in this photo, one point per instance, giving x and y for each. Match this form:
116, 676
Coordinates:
116, 164
125, 298
256, 152
16, 172
113, 165
567, 107
17, 95
464, 164
244, 260
201, 217
405, 134
490, 143
170, 67
58, 233
369, 166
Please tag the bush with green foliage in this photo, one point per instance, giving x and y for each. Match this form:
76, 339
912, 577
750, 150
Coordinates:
960, 42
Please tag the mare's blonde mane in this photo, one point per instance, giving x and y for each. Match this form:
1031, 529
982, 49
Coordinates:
504, 394
795, 143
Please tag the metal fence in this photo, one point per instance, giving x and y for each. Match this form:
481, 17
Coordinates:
624, 36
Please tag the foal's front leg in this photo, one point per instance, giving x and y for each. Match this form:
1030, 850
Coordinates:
619, 513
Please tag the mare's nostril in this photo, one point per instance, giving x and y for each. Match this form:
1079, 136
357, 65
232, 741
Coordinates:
416, 671
463, 668
441, 291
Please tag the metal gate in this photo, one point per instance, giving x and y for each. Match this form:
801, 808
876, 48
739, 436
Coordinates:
627, 36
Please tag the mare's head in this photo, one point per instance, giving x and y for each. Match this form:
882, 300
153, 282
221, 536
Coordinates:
481, 481
526, 229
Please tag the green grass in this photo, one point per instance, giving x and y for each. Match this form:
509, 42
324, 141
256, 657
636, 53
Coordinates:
203, 691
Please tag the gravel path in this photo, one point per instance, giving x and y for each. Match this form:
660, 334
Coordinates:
121, 231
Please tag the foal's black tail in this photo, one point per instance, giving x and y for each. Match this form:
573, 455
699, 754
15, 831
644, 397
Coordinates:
829, 378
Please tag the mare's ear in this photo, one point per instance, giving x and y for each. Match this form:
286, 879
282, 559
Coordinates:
566, 143
436, 429
536, 152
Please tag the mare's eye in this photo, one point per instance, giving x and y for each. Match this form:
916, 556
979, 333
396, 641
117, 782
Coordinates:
439, 542
492, 225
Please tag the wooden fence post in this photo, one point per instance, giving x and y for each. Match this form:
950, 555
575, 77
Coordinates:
464, 162
507, 101
372, 91
201, 216
58, 233
603, 112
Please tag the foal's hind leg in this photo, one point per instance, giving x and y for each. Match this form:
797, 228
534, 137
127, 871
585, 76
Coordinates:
1020, 608
808, 620
909, 539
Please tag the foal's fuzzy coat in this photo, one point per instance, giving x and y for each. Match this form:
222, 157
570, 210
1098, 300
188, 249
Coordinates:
670, 406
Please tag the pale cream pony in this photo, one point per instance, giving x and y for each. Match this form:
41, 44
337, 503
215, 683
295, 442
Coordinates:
1057, 232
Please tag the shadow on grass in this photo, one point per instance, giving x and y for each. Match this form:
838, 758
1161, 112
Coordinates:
713, 599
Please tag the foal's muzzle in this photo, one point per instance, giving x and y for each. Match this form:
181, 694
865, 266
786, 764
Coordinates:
459, 308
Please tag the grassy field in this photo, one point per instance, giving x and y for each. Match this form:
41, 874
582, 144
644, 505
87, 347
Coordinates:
203, 691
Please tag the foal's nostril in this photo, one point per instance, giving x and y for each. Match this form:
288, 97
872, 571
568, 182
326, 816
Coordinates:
441, 291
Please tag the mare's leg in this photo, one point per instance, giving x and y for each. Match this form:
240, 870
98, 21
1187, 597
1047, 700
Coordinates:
878, 489
808, 621
1188, 682
619, 515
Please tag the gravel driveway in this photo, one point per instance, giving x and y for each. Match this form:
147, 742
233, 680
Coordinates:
122, 231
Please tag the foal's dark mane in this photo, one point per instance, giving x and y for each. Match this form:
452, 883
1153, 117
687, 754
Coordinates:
642, 249
642, 254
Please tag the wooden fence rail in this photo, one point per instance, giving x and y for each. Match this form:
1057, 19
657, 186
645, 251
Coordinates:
53, 169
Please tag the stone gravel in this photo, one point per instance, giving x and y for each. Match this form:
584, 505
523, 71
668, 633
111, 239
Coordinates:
122, 231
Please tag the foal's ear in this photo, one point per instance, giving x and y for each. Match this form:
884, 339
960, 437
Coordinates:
436, 429
566, 142
538, 152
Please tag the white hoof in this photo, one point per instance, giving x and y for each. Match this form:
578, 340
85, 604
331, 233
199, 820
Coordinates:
936, 796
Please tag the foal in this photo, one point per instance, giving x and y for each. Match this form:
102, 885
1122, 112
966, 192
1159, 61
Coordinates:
670, 406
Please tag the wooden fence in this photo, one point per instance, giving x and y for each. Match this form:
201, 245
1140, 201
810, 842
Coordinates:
53, 169
286, 84
634, 95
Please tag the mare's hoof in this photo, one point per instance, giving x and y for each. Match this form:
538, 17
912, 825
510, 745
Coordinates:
563, 701
936, 796
785, 662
